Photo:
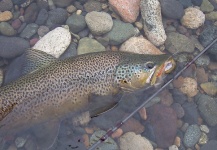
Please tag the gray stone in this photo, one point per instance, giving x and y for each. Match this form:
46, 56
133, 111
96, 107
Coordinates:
6, 5
153, 26
185, 3
178, 43
120, 32
208, 108
172, 9
62, 3
7, 29
88, 45
210, 145
42, 17
12, 46
191, 113
57, 16
99, 22
31, 13
206, 6
192, 135
70, 51
203, 60
92, 5
197, 2
76, 23
29, 31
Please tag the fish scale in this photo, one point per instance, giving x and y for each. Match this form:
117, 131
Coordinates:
64, 86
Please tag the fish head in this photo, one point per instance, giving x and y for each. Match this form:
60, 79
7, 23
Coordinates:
143, 70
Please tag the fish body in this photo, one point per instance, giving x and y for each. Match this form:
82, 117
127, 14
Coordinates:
64, 85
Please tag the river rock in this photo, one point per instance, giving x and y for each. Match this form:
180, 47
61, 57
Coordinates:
185, 3
5, 16
29, 31
206, 6
88, 45
54, 42
178, 43
42, 17
210, 88
128, 10
163, 119
153, 26
210, 145
92, 5
192, 135
133, 125
16, 24
76, 23
7, 29
203, 61
189, 87
208, 108
193, 18
191, 113
42, 30
211, 16
208, 35
197, 2
120, 32
99, 22
172, 9
139, 45
31, 13
18, 2
131, 141
6, 5
57, 16
178, 109
62, 3
12, 46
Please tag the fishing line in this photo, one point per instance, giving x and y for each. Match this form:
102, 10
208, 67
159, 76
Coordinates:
118, 125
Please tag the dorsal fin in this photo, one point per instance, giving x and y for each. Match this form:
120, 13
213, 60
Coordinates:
28, 62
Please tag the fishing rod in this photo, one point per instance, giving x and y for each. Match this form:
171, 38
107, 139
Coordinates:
118, 125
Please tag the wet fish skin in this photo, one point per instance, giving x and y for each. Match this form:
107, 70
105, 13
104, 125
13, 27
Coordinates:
64, 86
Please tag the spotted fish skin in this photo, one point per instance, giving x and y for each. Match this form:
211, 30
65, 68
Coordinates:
63, 87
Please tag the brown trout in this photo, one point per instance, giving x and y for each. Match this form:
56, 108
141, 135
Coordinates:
63, 86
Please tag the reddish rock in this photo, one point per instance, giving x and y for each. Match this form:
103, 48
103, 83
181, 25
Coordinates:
127, 9
202, 76
31, 13
133, 125
177, 83
166, 98
33, 41
164, 122
16, 24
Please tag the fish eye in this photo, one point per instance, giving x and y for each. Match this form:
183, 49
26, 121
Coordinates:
150, 65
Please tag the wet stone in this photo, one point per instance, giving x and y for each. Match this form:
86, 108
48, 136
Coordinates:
42, 30
185, 3
203, 60
197, 2
57, 16
211, 145
31, 13
62, 3
172, 9
178, 109
76, 23
192, 135
206, 6
92, 5
191, 113
16, 24
42, 17
178, 96
6, 5
29, 31
7, 29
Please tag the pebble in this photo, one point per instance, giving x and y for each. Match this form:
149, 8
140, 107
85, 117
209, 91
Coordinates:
86, 140
120, 32
133, 125
211, 16
62, 3
208, 108
164, 122
31, 13
172, 9
191, 113
178, 109
143, 113
189, 87
131, 141
185, 3
203, 61
29, 31
178, 96
206, 6
153, 26
92, 5
5, 16
139, 25
177, 141
6, 5
30, 145
166, 98
204, 128
173, 147
139, 45
12, 147
197, 2
71, 9
210, 88
185, 127
211, 145
192, 135
108, 144
12, 46
203, 138
57, 16
128, 10
178, 43
33, 41
99, 22
20, 142
42, 30
54, 42
7, 29
16, 24
212, 66
193, 18
117, 133
42, 17
202, 76
88, 45
76, 23
18, 2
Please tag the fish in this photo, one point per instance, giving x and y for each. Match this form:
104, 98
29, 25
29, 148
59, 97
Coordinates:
63, 86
